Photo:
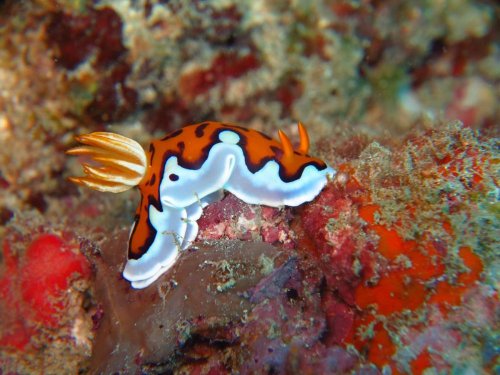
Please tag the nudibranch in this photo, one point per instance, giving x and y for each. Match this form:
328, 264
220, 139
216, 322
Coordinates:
188, 169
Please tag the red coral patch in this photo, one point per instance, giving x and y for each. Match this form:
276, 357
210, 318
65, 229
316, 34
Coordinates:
76, 37
224, 67
33, 287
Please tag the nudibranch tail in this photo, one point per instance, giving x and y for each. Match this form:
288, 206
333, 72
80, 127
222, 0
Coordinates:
122, 162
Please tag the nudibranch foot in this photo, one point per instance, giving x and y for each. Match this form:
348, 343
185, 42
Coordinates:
176, 230
189, 169
171, 225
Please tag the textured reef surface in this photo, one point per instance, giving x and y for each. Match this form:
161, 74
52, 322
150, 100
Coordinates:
393, 268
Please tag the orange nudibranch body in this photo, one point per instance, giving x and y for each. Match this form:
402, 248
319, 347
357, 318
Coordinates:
190, 168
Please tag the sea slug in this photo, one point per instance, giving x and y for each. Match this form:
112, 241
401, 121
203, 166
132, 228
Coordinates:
188, 169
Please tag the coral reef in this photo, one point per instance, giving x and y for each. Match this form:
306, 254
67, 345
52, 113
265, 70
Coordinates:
393, 268
400, 250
